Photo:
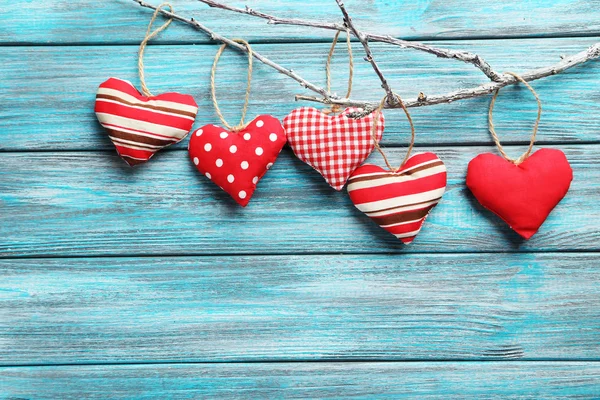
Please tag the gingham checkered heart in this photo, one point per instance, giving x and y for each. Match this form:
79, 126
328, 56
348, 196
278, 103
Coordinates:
333, 145
399, 201
138, 125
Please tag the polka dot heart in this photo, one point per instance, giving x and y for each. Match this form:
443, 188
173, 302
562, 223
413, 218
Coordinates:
236, 161
334, 145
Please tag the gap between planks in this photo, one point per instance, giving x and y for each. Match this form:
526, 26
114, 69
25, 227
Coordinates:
273, 254
310, 361
204, 42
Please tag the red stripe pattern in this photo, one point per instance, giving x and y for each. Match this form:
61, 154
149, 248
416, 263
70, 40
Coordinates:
334, 145
138, 125
400, 201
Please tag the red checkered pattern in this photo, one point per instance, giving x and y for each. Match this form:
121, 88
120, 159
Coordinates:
334, 145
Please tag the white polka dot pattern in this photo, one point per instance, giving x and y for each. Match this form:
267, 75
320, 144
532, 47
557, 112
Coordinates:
236, 161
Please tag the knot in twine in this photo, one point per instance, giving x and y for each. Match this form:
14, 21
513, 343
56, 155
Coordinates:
335, 108
147, 38
374, 131
213, 71
525, 155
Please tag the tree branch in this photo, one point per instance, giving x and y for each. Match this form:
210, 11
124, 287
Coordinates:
591, 53
391, 99
463, 56
271, 19
216, 37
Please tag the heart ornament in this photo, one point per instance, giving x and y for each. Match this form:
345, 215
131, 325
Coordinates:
139, 125
236, 161
399, 201
521, 191
522, 195
334, 145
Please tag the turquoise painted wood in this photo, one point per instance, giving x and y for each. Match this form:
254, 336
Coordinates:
151, 283
123, 21
52, 90
286, 308
423, 380
167, 207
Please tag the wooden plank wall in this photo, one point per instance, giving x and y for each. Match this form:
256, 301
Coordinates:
151, 282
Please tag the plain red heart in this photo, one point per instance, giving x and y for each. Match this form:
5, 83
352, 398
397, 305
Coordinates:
522, 195
236, 161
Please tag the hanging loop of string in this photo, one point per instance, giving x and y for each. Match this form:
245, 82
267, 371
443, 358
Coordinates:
147, 38
374, 132
213, 71
336, 107
525, 155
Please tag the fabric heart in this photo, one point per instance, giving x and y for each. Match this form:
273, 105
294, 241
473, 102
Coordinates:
138, 125
399, 201
522, 195
236, 161
333, 145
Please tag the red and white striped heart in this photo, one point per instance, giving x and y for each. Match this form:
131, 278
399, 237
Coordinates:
399, 201
139, 125
334, 145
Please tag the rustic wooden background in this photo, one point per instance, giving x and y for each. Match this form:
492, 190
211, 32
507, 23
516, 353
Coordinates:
151, 282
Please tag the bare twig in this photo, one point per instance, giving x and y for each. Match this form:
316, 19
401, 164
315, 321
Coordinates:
391, 99
463, 56
215, 36
591, 53
271, 19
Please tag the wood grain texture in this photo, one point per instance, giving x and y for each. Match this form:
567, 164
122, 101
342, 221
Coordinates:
293, 308
202, 299
492, 380
92, 203
52, 90
122, 21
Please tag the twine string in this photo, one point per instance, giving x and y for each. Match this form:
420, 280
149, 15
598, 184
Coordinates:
336, 107
213, 71
147, 39
374, 132
492, 129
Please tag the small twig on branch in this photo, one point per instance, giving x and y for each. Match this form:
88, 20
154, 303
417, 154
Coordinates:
463, 56
258, 56
591, 53
271, 19
391, 99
